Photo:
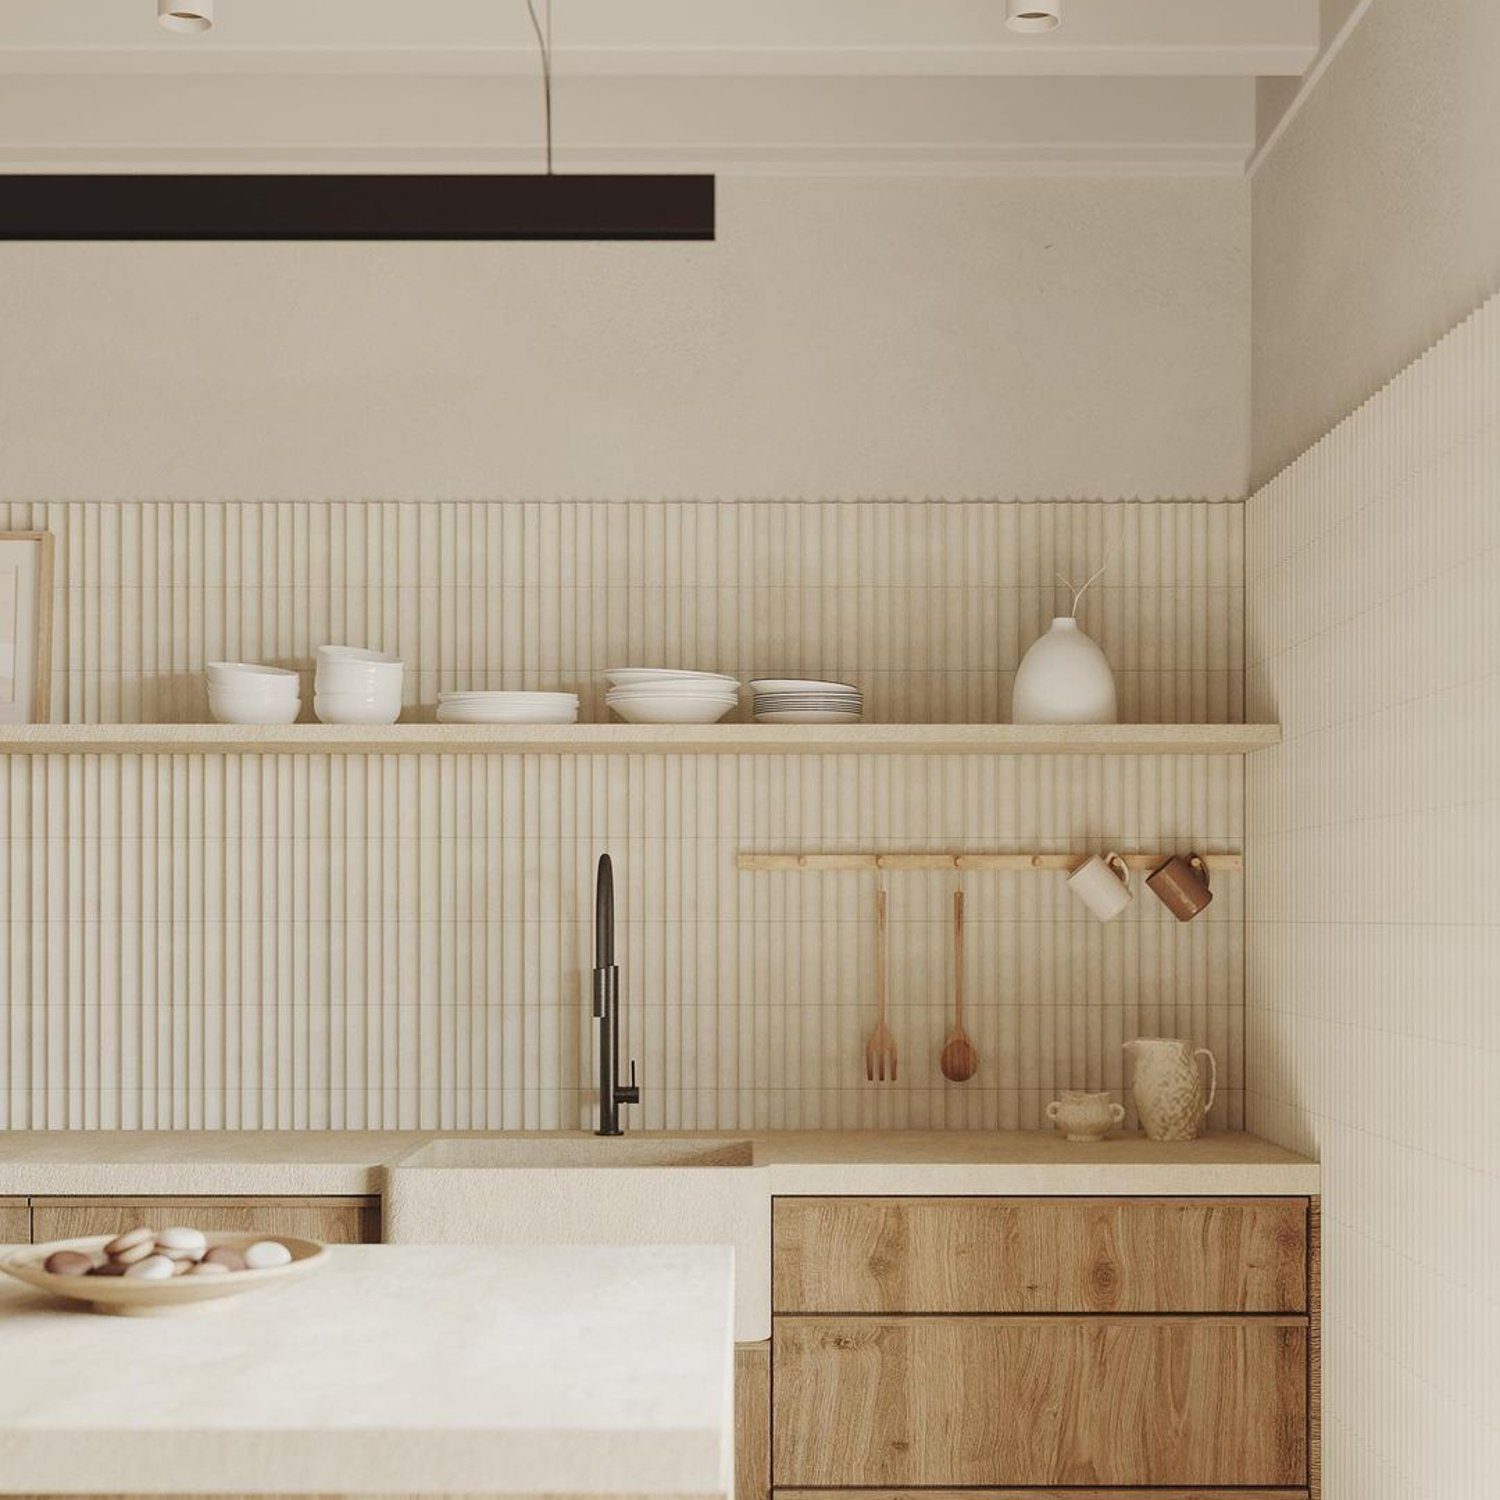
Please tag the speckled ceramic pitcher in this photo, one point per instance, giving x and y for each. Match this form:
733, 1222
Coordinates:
1169, 1086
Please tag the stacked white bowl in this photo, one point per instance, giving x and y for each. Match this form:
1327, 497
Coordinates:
507, 708
356, 686
244, 692
789, 700
663, 695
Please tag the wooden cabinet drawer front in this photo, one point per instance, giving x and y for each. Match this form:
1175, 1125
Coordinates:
1020, 1255
1196, 1492
928, 1402
15, 1221
339, 1221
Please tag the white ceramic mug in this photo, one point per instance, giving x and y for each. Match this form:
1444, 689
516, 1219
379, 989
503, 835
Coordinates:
1102, 883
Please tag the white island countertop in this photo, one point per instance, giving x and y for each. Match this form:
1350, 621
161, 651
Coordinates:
561, 1371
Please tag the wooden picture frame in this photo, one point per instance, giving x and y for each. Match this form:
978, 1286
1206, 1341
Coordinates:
25, 627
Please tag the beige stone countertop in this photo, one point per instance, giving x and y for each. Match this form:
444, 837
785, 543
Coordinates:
230, 1163
564, 1371
1028, 1161
199, 1163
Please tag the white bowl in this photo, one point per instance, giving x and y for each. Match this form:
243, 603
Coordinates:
677, 690
254, 692
450, 715
357, 708
359, 654
358, 677
635, 694
228, 709
667, 708
663, 676
797, 685
507, 708
487, 696
253, 677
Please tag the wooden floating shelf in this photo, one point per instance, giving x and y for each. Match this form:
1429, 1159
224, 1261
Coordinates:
637, 739
812, 863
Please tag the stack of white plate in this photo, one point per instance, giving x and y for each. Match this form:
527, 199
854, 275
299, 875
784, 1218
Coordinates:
782, 700
507, 708
660, 695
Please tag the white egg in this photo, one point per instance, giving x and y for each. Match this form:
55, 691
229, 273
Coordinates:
153, 1268
264, 1254
182, 1240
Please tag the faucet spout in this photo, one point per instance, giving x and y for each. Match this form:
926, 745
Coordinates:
612, 1093
604, 915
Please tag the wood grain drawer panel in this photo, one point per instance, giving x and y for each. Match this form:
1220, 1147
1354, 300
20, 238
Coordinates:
1196, 1492
1024, 1255
752, 1421
938, 1401
1030, 1494
15, 1221
339, 1221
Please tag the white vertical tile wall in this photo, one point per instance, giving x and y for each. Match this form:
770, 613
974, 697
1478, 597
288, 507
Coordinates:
1373, 933
928, 606
305, 941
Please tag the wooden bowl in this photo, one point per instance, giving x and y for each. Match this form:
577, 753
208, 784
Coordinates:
120, 1294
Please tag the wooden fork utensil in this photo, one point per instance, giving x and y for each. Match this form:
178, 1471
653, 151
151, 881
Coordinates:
880, 1051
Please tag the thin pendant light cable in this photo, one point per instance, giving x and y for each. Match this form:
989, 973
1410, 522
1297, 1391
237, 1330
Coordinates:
544, 46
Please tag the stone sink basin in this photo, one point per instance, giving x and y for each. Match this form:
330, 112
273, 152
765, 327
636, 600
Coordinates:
577, 1189
571, 1152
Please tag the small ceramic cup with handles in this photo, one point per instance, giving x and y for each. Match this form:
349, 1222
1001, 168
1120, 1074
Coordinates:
1102, 883
1083, 1116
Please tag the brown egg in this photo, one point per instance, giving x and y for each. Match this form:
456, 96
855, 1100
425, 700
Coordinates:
226, 1256
68, 1263
109, 1268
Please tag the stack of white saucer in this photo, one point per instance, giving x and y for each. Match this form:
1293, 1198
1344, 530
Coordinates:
507, 708
785, 700
662, 695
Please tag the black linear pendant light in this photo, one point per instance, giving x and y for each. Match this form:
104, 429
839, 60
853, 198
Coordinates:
368, 206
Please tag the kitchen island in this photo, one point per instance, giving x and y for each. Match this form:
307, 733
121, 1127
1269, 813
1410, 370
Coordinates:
432, 1370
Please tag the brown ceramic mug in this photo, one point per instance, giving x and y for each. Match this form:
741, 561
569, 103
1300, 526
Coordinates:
1181, 883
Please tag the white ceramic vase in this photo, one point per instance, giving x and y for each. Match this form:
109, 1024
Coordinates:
1064, 679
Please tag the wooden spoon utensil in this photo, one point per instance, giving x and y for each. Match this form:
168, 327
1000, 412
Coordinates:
958, 1061
880, 1050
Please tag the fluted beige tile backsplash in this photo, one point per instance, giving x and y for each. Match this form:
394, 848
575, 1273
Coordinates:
306, 941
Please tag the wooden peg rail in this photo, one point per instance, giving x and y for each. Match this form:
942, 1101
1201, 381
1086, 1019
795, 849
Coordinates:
1065, 862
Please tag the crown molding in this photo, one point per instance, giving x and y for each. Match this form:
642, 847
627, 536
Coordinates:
856, 127
1310, 82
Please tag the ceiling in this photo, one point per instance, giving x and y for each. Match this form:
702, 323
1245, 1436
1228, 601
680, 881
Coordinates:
849, 86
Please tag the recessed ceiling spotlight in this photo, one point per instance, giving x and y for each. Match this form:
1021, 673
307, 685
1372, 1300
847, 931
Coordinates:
185, 15
1033, 15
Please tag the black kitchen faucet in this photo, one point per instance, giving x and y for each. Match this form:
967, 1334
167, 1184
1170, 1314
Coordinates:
612, 1093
